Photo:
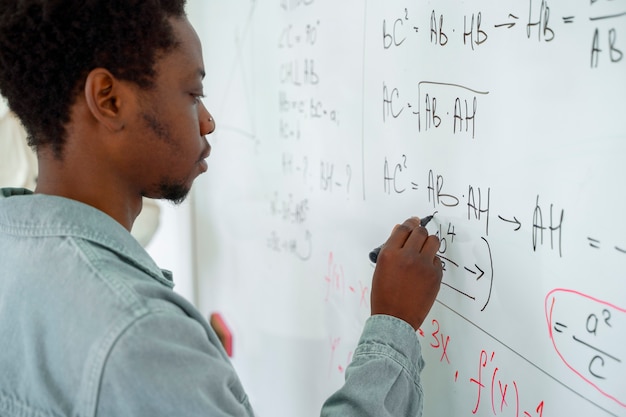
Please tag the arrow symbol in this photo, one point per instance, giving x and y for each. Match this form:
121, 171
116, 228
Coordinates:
510, 24
519, 225
474, 272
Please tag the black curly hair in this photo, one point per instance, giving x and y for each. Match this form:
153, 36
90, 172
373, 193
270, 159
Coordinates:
48, 47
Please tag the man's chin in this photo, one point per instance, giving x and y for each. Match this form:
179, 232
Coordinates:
174, 193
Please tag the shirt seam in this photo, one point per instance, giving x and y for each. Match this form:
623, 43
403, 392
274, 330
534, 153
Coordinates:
104, 351
16, 408
128, 300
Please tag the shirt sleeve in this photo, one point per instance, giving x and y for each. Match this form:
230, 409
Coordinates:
383, 378
166, 364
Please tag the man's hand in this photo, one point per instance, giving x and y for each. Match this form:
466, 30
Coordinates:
408, 274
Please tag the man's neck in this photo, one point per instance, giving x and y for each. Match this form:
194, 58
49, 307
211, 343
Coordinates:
89, 183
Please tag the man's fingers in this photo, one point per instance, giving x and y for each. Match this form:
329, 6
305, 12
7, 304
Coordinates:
417, 238
430, 246
401, 233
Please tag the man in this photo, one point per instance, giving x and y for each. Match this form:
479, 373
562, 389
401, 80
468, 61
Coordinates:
110, 94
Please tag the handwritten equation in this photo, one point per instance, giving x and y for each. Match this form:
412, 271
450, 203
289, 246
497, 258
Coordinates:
346, 291
294, 237
454, 110
300, 76
544, 225
587, 334
496, 390
538, 22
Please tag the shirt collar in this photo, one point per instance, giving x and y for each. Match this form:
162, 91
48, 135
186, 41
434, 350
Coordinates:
28, 214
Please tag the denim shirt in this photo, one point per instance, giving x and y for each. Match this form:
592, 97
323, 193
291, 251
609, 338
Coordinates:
91, 327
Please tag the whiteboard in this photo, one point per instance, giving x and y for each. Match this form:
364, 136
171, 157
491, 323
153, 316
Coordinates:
337, 120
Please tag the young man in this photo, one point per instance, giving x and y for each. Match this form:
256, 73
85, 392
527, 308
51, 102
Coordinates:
109, 92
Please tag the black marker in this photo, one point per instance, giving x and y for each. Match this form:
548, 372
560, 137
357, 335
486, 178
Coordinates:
374, 253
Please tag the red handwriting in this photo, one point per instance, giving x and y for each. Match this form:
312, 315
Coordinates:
496, 394
441, 342
353, 297
335, 278
338, 286
587, 334
334, 363
502, 394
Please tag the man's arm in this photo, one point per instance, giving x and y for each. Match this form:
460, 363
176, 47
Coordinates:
166, 364
383, 378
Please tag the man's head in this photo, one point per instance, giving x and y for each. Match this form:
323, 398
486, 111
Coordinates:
109, 92
47, 48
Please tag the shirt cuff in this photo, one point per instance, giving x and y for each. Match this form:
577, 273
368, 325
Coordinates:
394, 338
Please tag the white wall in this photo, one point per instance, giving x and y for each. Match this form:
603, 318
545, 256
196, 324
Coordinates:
171, 246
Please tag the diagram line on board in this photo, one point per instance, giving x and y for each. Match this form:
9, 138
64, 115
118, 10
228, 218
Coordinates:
363, 99
238, 62
526, 359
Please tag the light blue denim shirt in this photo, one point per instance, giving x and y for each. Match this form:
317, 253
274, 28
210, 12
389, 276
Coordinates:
90, 326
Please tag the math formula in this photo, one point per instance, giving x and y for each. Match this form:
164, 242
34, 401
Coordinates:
586, 334
344, 291
493, 388
543, 21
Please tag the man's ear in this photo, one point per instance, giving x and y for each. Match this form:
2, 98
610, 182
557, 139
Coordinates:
103, 94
